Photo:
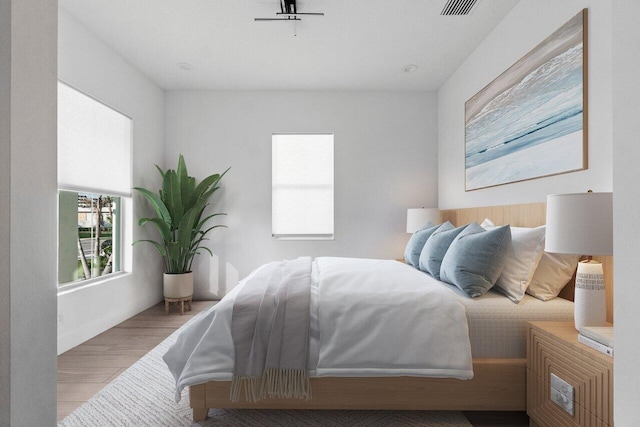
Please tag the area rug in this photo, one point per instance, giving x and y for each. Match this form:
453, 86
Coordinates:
143, 395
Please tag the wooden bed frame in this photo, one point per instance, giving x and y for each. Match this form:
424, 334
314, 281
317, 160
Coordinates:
497, 385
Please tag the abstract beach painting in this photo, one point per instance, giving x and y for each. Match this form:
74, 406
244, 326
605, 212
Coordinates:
530, 121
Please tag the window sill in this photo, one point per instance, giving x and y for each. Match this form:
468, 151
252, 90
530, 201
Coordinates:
302, 237
75, 286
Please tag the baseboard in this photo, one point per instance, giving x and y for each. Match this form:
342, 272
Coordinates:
90, 329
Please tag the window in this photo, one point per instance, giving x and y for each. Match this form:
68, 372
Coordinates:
94, 180
302, 186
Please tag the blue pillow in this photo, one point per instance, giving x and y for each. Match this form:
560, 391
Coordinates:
429, 224
476, 258
416, 243
436, 247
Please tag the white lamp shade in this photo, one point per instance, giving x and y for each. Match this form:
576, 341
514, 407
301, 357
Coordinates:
417, 217
580, 224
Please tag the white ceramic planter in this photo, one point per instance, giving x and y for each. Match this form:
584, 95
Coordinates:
178, 285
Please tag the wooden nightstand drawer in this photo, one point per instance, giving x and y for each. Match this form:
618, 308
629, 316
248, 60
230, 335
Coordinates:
553, 349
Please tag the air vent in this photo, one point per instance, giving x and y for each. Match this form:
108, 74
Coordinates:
458, 7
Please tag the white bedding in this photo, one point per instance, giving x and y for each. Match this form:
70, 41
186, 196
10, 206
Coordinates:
497, 326
357, 308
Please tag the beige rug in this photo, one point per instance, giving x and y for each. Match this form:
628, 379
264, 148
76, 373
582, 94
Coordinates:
144, 396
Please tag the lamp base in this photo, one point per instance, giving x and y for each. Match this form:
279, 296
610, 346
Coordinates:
590, 306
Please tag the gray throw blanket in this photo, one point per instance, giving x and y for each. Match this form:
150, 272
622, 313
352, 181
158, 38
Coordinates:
270, 330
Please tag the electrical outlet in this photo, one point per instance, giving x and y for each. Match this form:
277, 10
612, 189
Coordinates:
60, 319
561, 393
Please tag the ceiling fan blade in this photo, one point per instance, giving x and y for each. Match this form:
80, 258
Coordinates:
301, 13
277, 19
289, 11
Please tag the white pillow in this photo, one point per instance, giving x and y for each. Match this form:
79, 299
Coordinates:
552, 274
487, 224
527, 248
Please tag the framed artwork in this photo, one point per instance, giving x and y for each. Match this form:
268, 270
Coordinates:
531, 121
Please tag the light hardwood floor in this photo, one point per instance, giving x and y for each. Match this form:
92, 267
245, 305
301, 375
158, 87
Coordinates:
87, 368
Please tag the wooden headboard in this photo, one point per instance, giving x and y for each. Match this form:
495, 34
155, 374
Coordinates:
527, 215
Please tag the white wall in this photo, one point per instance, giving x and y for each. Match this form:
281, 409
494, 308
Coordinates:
27, 212
530, 22
385, 162
91, 66
614, 104
626, 177
5, 211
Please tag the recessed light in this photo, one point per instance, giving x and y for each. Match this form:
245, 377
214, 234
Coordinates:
185, 66
411, 68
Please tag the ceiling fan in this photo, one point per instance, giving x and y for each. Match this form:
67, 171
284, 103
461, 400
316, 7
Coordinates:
289, 12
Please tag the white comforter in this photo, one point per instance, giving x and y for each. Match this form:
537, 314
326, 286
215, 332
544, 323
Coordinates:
368, 318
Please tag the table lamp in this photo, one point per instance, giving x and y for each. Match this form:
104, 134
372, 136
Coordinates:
582, 224
417, 217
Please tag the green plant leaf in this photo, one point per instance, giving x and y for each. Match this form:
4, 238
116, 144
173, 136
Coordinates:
174, 256
179, 207
187, 183
204, 221
199, 206
202, 188
163, 227
204, 233
185, 231
187, 187
182, 169
206, 249
157, 245
196, 243
156, 203
207, 186
210, 192
161, 171
172, 198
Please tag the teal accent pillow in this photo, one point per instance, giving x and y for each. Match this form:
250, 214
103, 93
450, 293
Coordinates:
416, 243
476, 258
436, 247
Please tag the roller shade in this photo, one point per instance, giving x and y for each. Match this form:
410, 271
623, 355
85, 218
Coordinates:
94, 145
302, 186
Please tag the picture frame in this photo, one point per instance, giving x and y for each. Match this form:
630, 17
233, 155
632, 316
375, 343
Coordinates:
531, 121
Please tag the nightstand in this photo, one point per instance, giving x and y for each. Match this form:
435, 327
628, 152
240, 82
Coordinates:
568, 383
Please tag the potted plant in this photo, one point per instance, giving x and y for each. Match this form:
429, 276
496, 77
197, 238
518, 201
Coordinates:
179, 207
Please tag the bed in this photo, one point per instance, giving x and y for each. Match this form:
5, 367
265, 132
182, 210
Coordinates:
496, 334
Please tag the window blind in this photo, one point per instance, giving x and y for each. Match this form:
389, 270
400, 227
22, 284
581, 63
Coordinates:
302, 186
94, 145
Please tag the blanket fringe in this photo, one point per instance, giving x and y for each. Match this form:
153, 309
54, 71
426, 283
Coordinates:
275, 383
